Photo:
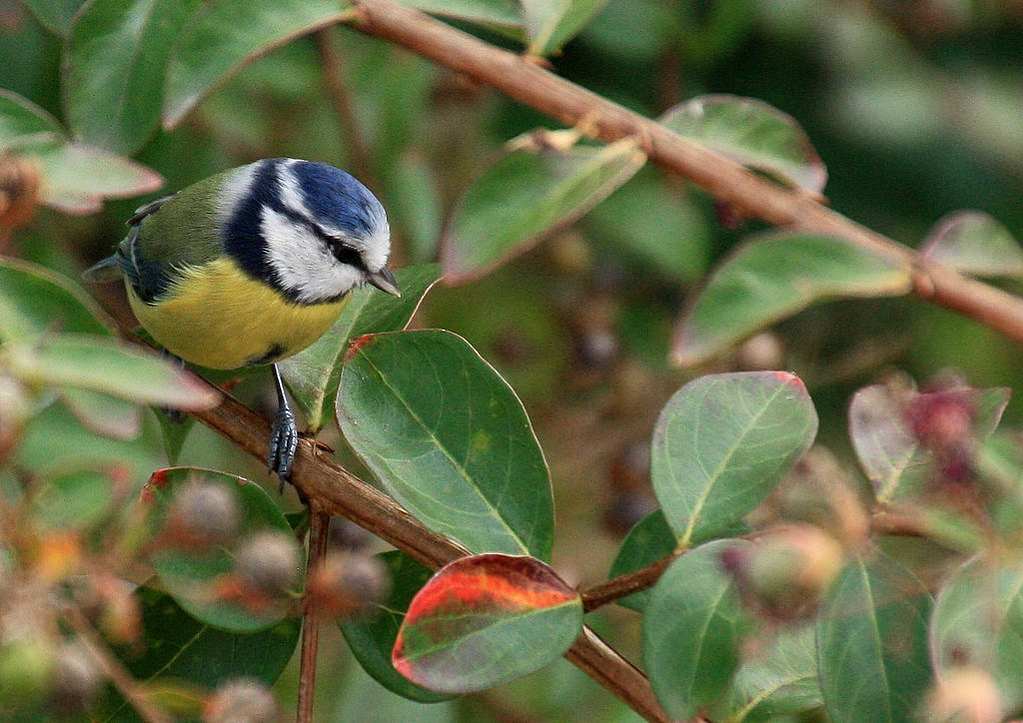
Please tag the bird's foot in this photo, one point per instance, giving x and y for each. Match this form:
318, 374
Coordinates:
283, 444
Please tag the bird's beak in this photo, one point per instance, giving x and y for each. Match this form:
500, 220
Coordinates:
385, 281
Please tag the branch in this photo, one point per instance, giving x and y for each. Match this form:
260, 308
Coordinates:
618, 587
882, 522
724, 179
333, 490
319, 524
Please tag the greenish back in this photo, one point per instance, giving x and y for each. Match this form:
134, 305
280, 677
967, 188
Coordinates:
185, 231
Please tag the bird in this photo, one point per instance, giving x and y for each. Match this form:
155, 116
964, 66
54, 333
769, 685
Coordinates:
251, 266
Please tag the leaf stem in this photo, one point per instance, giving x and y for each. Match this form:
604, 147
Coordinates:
319, 524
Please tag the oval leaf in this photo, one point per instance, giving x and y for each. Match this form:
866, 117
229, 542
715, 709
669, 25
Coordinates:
974, 243
22, 122
552, 23
78, 176
891, 456
110, 366
978, 621
312, 375
447, 437
193, 577
104, 414
529, 192
372, 638
177, 647
775, 683
484, 620
722, 443
752, 133
227, 35
872, 643
773, 277
34, 300
692, 629
115, 66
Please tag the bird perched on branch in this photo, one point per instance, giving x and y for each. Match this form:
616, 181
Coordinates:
251, 266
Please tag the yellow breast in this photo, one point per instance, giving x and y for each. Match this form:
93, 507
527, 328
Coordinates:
218, 317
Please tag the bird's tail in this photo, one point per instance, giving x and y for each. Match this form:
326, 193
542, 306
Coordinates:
109, 269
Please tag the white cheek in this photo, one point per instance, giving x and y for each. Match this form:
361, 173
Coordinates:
235, 188
302, 262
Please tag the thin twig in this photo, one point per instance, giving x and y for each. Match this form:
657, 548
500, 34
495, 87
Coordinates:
623, 585
724, 179
319, 523
338, 492
113, 669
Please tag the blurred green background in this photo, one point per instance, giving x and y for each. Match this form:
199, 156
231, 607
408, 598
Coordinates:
914, 106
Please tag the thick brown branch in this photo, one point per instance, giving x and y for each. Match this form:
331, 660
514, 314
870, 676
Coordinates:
319, 524
333, 490
724, 179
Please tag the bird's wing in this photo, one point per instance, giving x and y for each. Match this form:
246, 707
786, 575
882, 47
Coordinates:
171, 234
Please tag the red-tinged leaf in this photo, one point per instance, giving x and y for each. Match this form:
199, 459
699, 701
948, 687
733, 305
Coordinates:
484, 620
974, 243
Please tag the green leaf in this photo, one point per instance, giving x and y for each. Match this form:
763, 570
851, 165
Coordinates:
775, 682
552, 23
485, 620
889, 452
115, 66
76, 178
227, 35
73, 499
177, 647
978, 621
722, 443
752, 133
674, 242
648, 541
191, 576
692, 629
22, 122
448, 438
104, 414
974, 243
34, 299
106, 365
773, 277
532, 190
372, 638
174, 432
312, 375
872, 643
54, 15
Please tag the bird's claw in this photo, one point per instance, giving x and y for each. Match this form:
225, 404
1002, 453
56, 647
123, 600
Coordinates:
283, 444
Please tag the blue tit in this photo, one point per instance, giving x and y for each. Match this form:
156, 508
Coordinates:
251, 266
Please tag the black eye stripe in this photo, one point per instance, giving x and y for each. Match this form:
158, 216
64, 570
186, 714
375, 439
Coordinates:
342, 253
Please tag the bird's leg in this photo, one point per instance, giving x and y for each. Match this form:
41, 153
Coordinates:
283, 435
174, 415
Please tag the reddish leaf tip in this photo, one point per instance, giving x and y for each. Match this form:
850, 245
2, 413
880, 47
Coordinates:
357, 344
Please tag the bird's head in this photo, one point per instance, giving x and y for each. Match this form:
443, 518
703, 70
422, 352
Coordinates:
323, 233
